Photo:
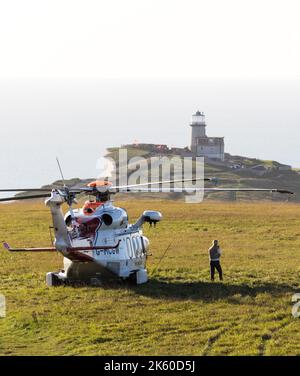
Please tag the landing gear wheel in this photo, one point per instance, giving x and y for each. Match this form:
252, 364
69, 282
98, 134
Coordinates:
132, 278
53, 280
139, 277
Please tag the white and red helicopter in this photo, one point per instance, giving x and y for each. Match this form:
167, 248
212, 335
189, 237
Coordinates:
98, 238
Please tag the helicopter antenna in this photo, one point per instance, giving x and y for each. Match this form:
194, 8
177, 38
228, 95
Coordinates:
69, 196
164, 254
61, 173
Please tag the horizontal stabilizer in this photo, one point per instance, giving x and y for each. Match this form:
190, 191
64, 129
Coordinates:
47, 249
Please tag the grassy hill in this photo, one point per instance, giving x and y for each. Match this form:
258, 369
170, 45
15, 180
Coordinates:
235, 171
179, 311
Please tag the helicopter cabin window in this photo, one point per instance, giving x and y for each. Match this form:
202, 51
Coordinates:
134, 245
138, 243
129, 248
137, 246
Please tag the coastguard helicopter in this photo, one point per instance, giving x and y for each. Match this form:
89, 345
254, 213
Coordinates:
98, 239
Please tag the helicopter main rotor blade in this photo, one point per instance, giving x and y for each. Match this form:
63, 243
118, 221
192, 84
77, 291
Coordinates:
61, 189
103, 188
28, 189
191, 190
161, 182
16, 198
140, 188
272, 190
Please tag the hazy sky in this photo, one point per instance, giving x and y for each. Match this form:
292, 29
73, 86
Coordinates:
150, 38
78, 76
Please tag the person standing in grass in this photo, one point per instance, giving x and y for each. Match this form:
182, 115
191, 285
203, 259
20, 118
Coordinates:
214, 253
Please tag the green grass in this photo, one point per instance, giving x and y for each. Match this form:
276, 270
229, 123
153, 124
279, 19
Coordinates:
179, 311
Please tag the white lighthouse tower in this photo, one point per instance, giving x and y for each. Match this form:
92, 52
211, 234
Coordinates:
198, 129
201, 144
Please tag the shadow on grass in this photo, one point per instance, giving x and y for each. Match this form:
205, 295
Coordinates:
165, 288
205, 291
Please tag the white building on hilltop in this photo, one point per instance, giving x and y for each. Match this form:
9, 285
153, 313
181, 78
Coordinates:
201, 145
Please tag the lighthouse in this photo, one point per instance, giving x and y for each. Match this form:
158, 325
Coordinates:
198, 129
201, 144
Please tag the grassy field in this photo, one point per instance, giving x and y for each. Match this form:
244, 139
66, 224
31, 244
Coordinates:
179, 311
